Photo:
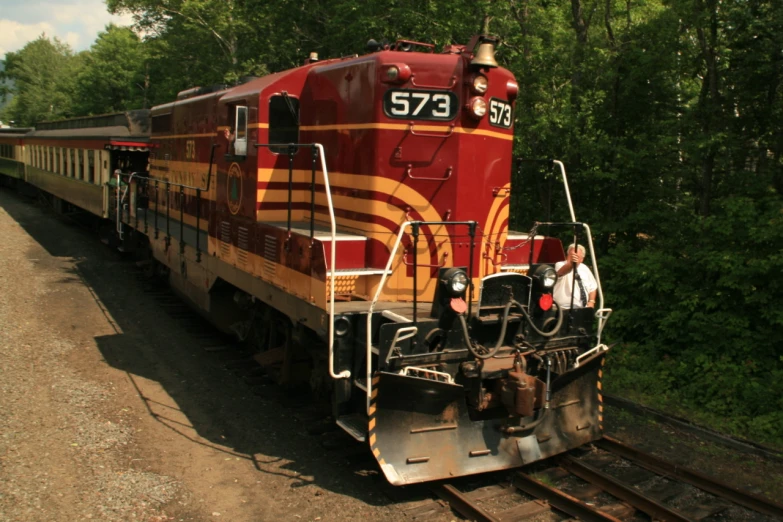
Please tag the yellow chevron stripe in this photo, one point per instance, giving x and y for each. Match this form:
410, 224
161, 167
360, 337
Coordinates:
372, 439
371, 425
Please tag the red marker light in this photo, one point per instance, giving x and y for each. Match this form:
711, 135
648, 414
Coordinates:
545, 302
459, 305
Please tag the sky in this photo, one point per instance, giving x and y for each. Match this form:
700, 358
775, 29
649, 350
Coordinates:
75, 22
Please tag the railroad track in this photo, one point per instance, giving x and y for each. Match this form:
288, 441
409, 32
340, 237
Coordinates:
611, 482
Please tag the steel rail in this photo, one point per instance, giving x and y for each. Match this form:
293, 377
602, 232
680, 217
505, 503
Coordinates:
711, 485
560, 500
632, 496
462, 504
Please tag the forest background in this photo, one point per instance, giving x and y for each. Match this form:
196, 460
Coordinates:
667, 113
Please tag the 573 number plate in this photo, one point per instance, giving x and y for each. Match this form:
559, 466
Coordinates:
420, 105
499, 113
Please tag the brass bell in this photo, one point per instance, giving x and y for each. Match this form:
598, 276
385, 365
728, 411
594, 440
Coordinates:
485, 56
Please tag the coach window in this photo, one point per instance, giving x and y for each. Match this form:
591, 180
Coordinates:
91, 166
283, 121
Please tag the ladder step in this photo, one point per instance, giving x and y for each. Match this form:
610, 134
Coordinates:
355, 425
357, 272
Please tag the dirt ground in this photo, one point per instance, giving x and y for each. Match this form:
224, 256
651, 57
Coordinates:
111, 410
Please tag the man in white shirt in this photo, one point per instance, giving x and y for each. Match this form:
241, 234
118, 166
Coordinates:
585, 288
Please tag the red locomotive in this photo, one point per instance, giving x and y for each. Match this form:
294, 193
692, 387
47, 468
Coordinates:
350, 219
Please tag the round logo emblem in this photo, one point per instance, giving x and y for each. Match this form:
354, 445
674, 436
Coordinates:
234, 188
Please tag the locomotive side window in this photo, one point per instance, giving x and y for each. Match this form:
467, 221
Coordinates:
240, 141
161, 123
283, 122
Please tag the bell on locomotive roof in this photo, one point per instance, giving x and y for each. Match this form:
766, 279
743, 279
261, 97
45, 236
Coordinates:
485, 55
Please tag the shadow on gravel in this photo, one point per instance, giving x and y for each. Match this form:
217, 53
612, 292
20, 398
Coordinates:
197, 394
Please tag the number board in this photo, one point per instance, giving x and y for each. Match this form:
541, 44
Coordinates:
500, 113
421, 105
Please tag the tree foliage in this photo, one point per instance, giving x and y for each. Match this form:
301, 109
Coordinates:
43, 73
112, 77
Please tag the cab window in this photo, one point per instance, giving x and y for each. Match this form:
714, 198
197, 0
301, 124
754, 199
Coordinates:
283, 122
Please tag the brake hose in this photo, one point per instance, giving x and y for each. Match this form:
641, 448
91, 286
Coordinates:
493, 350
491, 353
550, 333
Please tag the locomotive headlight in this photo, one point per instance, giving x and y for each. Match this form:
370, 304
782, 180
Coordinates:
478, 107
458, 283
547, 276
480, 84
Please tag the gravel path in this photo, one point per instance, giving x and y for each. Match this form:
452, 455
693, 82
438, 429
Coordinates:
109, 411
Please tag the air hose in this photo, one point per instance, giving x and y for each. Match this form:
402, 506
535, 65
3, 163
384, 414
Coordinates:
504, 323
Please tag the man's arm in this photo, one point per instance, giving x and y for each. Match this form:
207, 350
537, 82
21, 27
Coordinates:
591, 299
568, 265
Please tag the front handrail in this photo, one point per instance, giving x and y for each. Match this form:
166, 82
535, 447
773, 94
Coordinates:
371, 309
345, 374
415, 225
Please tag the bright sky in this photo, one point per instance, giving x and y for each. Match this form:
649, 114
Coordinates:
75, 22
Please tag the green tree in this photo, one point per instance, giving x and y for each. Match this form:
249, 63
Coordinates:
113, 76
43, 73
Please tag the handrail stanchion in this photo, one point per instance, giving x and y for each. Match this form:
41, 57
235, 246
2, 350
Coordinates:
117, 206
291, 150
415, 229
198, 225
312, 196
181, 219
472, 234
157, 206
146, 210
168, 214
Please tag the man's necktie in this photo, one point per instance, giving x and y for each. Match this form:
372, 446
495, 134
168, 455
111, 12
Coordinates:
582, 293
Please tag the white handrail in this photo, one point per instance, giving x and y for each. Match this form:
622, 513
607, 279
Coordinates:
568, 191
119, 215
333, 231
602, 313
368, 359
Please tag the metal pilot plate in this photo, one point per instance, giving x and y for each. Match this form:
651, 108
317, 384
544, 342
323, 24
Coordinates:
422, 431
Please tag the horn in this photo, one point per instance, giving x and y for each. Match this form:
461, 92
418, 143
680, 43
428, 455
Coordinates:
485, 56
